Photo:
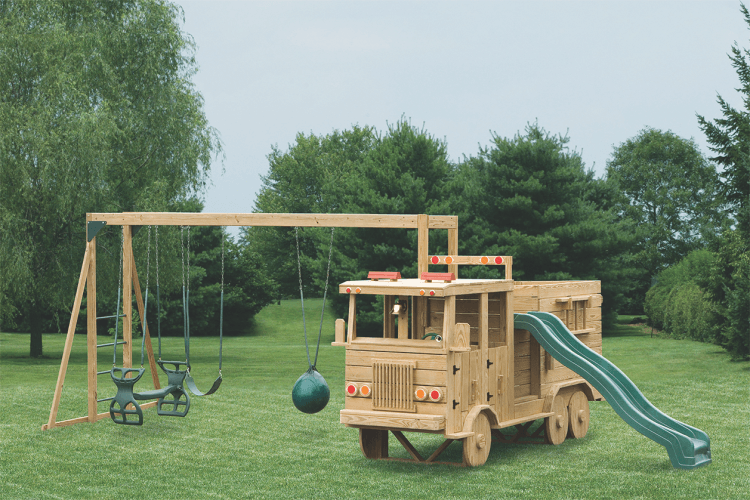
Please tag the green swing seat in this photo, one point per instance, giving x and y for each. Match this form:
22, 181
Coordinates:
169, 398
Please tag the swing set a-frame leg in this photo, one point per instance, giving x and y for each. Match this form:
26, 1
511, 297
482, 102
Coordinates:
69, 338
87, 281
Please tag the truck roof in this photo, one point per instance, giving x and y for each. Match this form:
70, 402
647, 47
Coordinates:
417, 287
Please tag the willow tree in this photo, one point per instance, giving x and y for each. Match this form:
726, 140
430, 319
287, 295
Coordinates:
98, 112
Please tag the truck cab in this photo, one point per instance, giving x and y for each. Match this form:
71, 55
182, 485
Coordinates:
445, 363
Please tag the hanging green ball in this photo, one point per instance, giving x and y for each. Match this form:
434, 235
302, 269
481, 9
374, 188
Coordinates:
311, 393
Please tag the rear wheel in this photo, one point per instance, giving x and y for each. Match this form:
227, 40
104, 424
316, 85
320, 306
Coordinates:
578, 410
556, 426
374, 443
477, 447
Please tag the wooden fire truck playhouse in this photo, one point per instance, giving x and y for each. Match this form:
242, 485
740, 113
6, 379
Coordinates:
469, 359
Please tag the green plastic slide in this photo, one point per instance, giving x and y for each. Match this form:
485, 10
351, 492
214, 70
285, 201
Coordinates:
687, 446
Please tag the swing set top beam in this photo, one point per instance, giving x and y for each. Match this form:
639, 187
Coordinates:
269, 219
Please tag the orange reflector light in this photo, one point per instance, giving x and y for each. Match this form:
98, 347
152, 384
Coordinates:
365, 390
358, 290
421, 292
498, 260
435, 394
351, 389
420, 394
435, 259
484, 260
449, 260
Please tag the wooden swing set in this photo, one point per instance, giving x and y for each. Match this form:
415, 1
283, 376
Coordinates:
130, 221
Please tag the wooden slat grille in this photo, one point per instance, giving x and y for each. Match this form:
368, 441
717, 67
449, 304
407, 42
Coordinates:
392, 385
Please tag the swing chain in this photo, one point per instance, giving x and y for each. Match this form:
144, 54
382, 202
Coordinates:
222, 262
148, 258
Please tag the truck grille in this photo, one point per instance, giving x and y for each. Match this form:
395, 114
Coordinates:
392, 385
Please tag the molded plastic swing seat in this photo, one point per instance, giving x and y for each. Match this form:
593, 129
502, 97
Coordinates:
310, 393
120, 406
190, 382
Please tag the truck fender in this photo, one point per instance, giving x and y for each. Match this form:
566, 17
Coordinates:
491, 416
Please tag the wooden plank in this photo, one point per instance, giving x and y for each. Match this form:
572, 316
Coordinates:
449, 320
423, 244
352, 323
466, 377
522, 420
421, 407
397, 345
127, 297
423, 361
477, 396
508, 377
91, 354
82, 278
569, 288
461, 340
474, 260
453, 248
453, 393
403, 319
484, 381
392, 420
272, 219
389, 322
339, 331
528, 408
493, 389
535, 366
358, 373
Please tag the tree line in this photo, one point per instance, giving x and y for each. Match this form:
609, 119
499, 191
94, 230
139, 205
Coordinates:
664, 230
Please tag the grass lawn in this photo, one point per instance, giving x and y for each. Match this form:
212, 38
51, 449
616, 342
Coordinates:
248, 440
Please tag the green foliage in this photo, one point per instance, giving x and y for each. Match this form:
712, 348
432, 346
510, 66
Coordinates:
401, 171
668, 190
532, 198
729, 138
676, 303
97, 114
728, 290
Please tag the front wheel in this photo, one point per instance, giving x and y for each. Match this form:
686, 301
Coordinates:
477, 447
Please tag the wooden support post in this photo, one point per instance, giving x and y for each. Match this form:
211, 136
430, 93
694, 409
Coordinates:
69, 340
484, 348
352, 322
142, 315
91, 332
423, 243
453, 249
389, 324
127, 297
510, 339
403, 318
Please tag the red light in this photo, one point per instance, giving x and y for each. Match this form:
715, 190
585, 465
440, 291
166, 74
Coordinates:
435, 395
432, 292
351, 389
498, 260
435, 259
348, 290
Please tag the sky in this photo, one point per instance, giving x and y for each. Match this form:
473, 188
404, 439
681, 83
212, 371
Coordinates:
596, 71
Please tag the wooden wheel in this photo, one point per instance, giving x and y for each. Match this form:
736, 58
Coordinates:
556, 426
578, 409
374, 443
477, 447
